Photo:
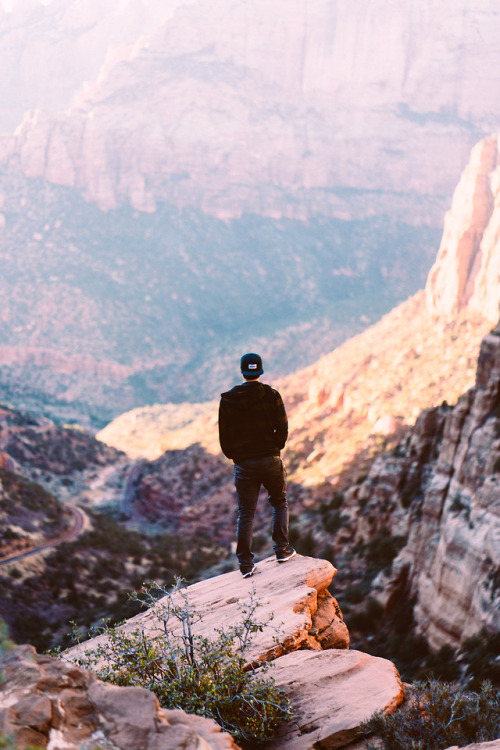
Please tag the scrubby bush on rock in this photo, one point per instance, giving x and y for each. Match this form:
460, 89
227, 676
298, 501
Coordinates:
201, 675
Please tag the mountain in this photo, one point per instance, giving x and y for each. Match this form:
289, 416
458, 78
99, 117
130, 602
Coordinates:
50, 50
29, 516
231, 176
281, 110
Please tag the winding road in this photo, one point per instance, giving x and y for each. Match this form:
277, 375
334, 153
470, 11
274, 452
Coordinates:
79, 519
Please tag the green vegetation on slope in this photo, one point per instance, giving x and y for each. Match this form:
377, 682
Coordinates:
88, 580
29, 515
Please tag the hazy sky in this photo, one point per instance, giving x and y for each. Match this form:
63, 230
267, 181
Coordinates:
9, 4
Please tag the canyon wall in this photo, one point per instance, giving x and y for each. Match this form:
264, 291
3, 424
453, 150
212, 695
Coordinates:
466, 273
440, 489
282, 110
49, 51
455, 550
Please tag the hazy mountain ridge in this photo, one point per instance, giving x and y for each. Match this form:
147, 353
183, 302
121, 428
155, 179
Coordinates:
279, 110
72, 38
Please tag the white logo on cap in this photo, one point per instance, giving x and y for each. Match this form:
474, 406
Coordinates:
252, 367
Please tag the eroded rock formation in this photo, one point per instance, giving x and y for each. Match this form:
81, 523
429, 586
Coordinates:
455, 554
307, 643
447, 475
466, 273
49, 702
261, 108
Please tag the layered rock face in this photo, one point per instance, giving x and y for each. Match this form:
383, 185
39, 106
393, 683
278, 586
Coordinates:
32, 32
466, 273
447, 475
279, 109
455, 554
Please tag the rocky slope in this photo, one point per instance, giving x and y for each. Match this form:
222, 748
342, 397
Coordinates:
29, 515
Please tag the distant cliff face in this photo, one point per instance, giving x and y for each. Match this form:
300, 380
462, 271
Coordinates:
280, 109
49, 51
466, 273
299, 142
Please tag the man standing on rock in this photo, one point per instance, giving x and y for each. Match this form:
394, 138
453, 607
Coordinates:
253, 428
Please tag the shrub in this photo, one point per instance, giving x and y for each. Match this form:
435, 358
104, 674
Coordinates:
201, 675
439, 715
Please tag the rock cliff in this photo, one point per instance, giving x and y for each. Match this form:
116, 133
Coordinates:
441, 489
280, 110
466, 273
307, 644
73, 38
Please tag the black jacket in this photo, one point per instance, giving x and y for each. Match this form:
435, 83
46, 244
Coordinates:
252, 421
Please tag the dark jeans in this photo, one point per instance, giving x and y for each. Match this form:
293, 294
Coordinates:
249, 475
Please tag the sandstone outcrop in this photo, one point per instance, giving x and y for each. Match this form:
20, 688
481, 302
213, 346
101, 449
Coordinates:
352, 685
48, 702
293, 598
466, 273
307, 643
455, 555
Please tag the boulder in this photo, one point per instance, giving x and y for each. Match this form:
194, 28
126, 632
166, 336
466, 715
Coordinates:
51, 703
332, 692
